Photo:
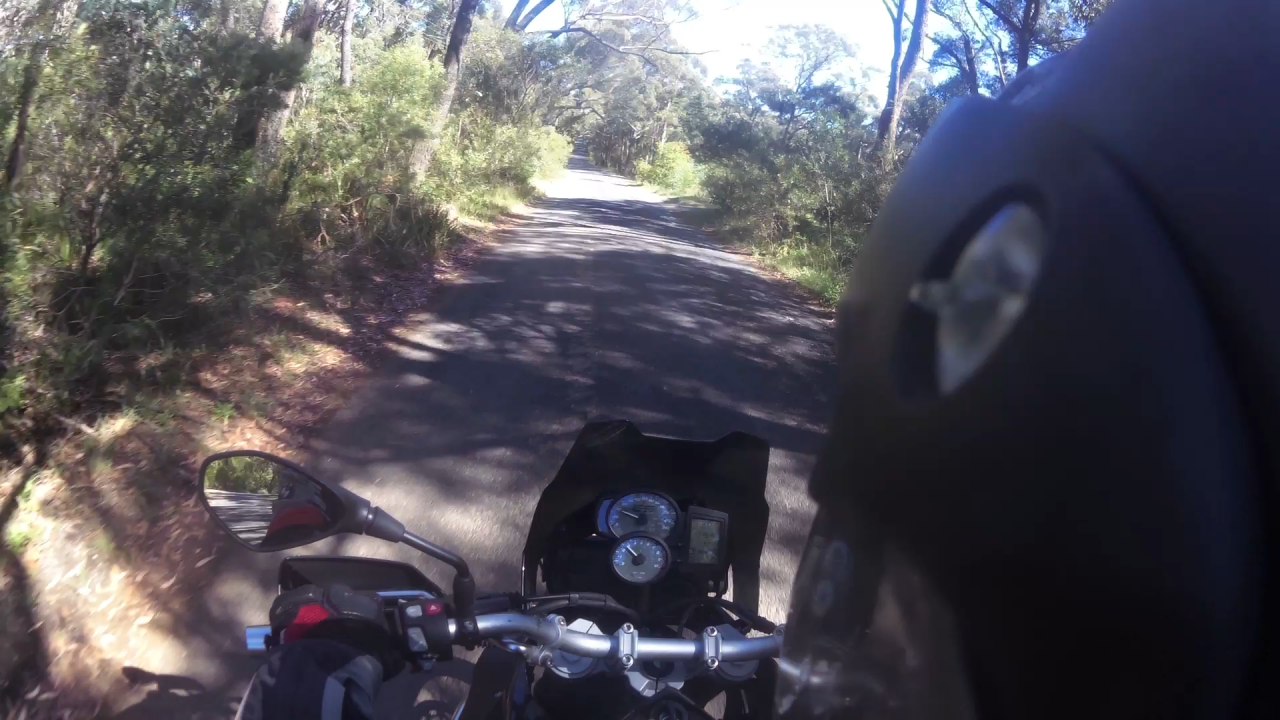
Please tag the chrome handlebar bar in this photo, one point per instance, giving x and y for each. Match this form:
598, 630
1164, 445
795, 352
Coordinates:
551, 633
625, 646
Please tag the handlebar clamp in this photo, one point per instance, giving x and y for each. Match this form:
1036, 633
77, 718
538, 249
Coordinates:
713, 639
628, 642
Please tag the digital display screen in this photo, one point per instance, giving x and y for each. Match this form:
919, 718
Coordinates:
704, 541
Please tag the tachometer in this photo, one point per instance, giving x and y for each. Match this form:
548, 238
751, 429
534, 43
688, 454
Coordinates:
648, 513
640, 559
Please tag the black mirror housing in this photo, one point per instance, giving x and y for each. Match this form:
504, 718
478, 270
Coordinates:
268, 503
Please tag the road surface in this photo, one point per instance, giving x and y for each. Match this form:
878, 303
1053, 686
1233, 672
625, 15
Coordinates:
247, 515
601, 303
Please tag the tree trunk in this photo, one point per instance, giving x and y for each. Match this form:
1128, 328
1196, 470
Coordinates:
272, 24
971, 67
514, 18
45, 22
533, 14
425, 149
17, 159
348, 26
227, 15
887, 137
891, 93
1023, 40
271, 129
1027, 32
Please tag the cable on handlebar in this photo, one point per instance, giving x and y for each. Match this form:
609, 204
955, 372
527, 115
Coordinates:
549, 603
746, 619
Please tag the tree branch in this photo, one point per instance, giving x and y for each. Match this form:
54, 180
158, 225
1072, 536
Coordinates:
667, 51
597, 38
983, 31
580, 108
513, 20
1058, 45
603, 15
533, 13
888, 8
1008, 21
955, 23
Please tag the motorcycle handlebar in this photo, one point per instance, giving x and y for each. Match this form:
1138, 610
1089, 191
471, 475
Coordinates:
553, 635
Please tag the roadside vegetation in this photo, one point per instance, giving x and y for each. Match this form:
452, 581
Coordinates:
796, 153
213, 213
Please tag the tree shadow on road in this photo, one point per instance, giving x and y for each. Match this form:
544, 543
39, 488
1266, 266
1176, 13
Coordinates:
588, 309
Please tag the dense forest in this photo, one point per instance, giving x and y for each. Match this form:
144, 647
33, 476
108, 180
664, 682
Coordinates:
168, 163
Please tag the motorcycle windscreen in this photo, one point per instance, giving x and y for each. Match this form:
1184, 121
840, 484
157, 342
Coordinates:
728, 475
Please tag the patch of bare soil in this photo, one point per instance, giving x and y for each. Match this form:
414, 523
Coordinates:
105, 539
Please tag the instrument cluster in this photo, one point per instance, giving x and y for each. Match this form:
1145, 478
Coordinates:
654, 536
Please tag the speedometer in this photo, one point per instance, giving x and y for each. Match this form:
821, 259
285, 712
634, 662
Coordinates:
648, 513
640, 559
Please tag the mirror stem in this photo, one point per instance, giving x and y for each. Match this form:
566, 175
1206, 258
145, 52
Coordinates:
447, 557
464, 586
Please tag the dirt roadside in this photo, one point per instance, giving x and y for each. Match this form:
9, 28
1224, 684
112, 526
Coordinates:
104, 539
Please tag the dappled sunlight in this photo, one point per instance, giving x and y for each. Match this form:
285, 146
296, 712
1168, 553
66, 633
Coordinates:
590, 308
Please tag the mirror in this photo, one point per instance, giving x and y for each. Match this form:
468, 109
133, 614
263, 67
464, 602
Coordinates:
267, 503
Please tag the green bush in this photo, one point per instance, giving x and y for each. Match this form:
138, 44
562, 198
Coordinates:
478, 155
139, 217
347, 142
672, 170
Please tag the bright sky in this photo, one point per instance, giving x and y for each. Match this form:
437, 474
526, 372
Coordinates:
739, 29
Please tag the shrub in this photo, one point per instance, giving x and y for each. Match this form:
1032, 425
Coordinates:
145, 222
672, 170
480, 154
348, 142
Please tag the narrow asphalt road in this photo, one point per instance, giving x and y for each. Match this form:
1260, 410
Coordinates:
601, 303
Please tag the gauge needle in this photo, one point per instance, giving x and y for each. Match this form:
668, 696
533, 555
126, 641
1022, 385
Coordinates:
633, 552
629, 514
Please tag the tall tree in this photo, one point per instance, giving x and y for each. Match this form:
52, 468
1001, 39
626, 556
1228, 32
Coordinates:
520, 23
1038, 29
271, 26
965, 48
48, 20
348, 26
16, 161
900, 72
271, 128
420, 161
1020, 20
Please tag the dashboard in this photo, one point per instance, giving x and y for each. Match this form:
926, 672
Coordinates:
652, 536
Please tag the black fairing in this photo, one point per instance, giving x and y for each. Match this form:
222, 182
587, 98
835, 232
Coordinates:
356, 573
728, 475
1094, 502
